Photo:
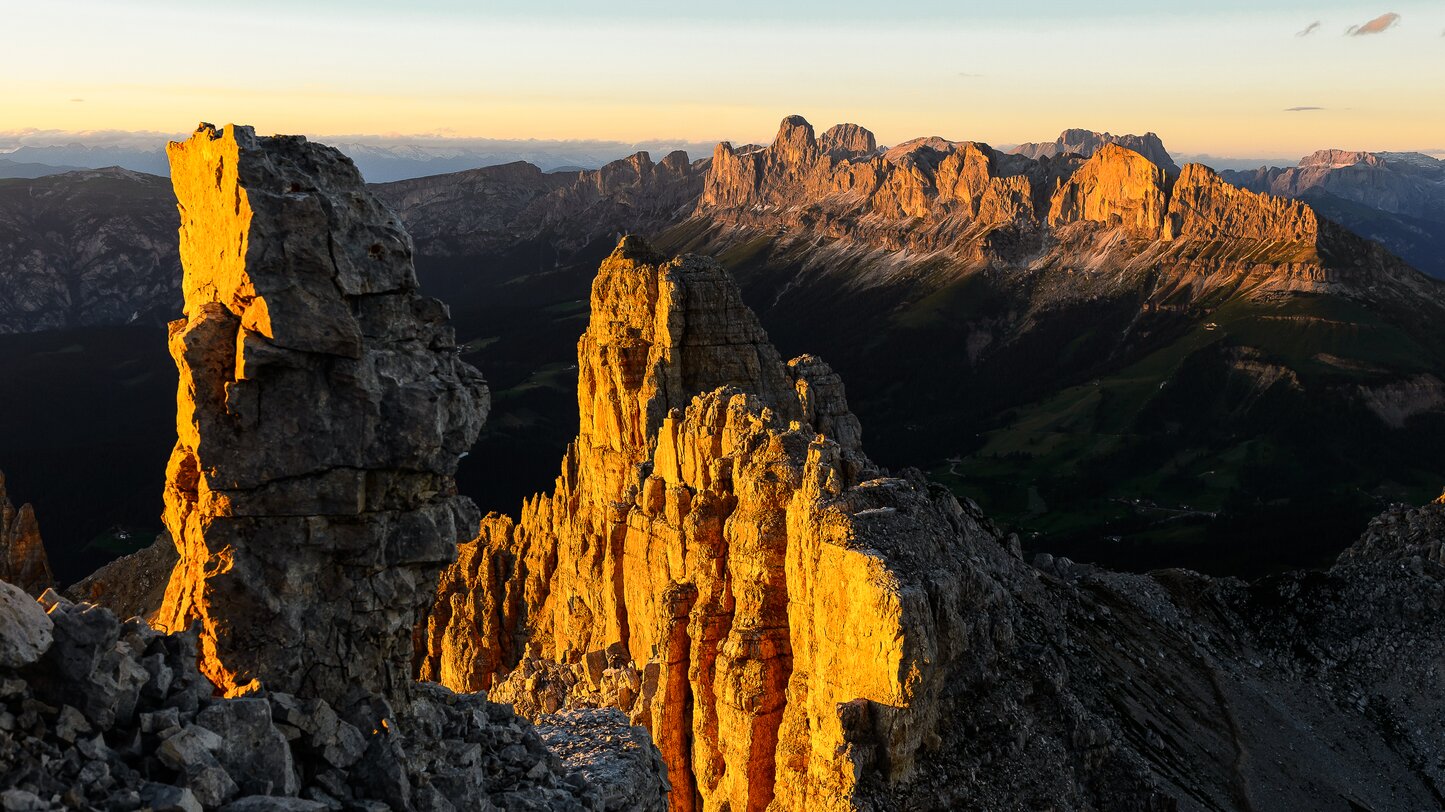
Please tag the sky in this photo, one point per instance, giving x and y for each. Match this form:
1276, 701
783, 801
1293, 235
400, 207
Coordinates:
1238, 78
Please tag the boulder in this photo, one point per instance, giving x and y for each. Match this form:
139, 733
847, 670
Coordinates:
25, 629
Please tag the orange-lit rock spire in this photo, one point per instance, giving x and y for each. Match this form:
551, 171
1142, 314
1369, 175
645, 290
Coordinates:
320, 416
23, 561
717, 524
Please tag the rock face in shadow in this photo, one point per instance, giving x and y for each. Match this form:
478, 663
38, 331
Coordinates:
800, 630
1087, 143
133, 585
23, 561
320, 416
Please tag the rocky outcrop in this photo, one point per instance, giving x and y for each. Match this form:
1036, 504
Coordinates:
974, 208
1203, 206
1409, 183
1395, 198
1118, 187
23, 561
1087, 143
717, 527
321, 413
100, 714
133, 585
799, 630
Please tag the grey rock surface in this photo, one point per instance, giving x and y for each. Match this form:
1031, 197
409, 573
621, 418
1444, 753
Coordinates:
25, 630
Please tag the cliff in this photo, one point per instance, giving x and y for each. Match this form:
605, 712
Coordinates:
495, 208
973, 208
23, 561
800, 630
716, 522
320, 415
319, 399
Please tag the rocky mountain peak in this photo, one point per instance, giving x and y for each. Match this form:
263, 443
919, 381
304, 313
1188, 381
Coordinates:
1116, 186
320, 416
1087, 143
1205, 206
1340, 158
23, 561
842, 141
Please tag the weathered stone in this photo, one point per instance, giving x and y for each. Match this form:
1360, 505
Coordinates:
133, 585
611, 755
165, 798
251, 750
268, 803
321, 413
19, 800
25, 629
1118, 187
758, 563
23, 561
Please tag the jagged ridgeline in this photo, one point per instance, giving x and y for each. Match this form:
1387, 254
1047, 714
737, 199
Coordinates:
1131, 359
801, 630
719, 562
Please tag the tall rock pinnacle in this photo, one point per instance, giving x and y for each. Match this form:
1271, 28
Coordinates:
717, 525
23, 561
320, 417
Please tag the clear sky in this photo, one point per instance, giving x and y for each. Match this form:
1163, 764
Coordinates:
1227, 77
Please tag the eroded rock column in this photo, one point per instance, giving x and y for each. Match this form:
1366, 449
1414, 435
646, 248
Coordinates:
321, 413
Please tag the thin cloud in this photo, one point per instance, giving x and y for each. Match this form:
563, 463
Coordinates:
970, 75
1303, 109
1309, 29
77, 100
1379, 25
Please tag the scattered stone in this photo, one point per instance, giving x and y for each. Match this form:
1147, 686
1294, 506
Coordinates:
25, 630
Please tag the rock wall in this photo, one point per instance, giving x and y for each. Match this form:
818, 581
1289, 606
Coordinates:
23, 561
320, 416
717, 524
1116, 186
799, 630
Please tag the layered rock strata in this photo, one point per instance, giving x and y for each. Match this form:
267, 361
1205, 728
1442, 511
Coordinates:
320, 416
717, 524
23, 561
799, 630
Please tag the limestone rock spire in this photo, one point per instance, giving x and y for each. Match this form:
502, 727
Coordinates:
321, 413
23, 561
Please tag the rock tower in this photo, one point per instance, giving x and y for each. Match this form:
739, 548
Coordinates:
321, 413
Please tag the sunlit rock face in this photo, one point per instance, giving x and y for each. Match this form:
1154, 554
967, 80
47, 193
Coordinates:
23, 561
1116, 186
781, 606
320, 416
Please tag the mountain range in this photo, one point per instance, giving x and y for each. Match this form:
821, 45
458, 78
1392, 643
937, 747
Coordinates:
723, 602
1118, 357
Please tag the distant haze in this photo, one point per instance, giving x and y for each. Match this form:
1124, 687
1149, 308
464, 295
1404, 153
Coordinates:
383, 158
1269, 77
380, 158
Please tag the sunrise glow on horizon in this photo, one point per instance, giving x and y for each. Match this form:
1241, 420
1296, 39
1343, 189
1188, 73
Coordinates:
1281, 78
